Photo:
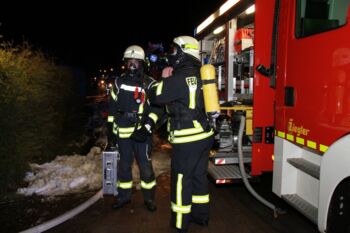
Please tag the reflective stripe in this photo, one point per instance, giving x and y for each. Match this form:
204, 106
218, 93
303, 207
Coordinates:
126, 130
159, 88
281, 134
323, 148
197, 129
179, 189
179, 200
185, 209
300, 140
114, 96
200, 199
311, 144
125, 185
124, 135
290, 137
190, 138
168, 125
154, 117
191, 46
141, 107
149, 185
130, 53
110, 118
130, 88
192, 86
192, 104
115, 128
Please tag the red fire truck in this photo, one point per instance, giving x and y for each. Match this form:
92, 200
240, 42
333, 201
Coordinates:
285, 65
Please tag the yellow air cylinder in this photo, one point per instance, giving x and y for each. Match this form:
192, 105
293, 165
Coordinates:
210, 91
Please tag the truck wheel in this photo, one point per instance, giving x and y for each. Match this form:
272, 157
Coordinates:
339, 209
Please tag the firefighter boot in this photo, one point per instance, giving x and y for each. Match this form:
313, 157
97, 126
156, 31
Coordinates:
119, 204
150, 205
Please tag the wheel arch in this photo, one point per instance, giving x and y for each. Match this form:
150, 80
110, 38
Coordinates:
335, 169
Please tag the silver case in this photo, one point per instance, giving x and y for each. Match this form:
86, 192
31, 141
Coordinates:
109, 172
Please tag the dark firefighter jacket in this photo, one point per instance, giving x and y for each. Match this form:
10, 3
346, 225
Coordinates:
129, 105
183, 96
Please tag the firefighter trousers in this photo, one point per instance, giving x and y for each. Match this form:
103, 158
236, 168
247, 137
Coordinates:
130, 149
189, 183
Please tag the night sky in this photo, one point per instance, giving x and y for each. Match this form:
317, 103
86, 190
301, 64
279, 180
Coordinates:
94, 35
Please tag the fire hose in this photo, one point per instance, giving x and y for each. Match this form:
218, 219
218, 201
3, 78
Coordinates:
64, 217
276, 210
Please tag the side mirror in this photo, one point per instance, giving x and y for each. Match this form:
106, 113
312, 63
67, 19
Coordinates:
263, 70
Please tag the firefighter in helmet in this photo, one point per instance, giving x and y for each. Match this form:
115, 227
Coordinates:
190, 133
130, 123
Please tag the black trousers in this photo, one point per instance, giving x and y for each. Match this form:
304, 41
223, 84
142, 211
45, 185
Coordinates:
130, 149
189, 182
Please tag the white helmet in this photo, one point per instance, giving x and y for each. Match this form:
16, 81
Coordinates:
134, 52
188, 45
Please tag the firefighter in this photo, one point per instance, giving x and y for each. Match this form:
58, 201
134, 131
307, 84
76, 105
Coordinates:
130, 123
180, 90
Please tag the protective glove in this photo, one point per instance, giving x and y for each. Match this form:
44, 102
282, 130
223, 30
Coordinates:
140, 135
112, 139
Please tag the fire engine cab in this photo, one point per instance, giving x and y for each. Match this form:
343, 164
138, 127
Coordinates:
285, 66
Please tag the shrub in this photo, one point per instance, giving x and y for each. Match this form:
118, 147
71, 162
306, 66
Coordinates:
37, 101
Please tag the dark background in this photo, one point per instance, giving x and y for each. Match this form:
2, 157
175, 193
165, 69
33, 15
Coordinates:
93, 35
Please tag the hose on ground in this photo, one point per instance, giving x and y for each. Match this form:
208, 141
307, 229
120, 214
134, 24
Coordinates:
64, 217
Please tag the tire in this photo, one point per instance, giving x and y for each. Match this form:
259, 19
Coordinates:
338, 220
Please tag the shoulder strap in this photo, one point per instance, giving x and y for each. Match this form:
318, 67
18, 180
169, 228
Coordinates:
147, 81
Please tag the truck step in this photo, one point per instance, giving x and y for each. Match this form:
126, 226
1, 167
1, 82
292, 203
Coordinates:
306, 166
221, 158
225, 174
302, 205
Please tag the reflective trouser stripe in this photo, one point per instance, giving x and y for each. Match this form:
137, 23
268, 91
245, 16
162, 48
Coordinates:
186, 209
191, 138
179, 200
200, 199
149, 185
179, 189
125, 185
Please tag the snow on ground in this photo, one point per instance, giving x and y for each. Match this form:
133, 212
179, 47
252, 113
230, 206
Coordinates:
65, 174
77, 173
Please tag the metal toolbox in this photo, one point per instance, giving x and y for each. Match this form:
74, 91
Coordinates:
110, 162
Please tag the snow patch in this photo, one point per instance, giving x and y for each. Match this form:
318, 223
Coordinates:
77, 173
65, 174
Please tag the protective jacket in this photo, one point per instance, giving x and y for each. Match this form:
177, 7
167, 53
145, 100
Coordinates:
183, 96
128, 104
